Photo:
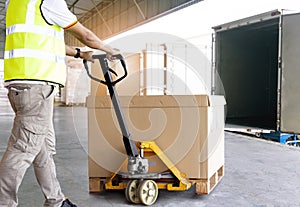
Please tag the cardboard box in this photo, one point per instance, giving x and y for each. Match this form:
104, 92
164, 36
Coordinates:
188, 128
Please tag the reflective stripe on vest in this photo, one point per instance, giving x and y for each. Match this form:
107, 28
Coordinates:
34, 50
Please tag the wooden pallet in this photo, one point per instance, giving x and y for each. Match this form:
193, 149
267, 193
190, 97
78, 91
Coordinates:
96, 185
205, 186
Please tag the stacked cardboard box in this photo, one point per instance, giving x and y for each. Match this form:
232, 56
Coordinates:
77, 86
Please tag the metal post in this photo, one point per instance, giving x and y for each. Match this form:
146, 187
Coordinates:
213, 65
279, 81
165, 68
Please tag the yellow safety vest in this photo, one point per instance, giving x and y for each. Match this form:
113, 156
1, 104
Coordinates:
34, 50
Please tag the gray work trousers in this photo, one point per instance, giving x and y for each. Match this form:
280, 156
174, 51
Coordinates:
32, 141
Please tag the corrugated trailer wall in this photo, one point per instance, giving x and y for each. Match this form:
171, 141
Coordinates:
290, 96
109, 19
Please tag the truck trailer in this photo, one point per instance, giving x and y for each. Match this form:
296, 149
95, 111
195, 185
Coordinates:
256, 65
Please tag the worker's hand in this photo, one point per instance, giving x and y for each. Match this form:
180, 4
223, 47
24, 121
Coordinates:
87, 55
110, 55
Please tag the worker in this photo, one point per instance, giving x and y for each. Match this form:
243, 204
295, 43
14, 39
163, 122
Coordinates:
34, 64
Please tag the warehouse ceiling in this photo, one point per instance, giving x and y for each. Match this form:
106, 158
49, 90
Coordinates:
85, 10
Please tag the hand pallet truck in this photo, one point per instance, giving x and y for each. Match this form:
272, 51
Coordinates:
140, 185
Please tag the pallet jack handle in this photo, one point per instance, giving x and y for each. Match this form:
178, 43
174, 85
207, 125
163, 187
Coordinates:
104, 64
130, 145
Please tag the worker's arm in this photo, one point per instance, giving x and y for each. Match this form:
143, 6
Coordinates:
89, 39
70, 51
86, 55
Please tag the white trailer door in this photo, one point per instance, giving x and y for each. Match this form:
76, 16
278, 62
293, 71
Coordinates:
290, 91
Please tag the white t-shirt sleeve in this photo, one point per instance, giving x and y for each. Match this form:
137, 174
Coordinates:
56, 12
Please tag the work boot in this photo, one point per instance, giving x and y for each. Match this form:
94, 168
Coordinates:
67, 203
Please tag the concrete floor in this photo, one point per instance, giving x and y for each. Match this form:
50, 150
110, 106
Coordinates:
257, 172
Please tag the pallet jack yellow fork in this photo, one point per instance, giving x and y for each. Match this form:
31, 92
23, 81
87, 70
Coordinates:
121, 186
184, 184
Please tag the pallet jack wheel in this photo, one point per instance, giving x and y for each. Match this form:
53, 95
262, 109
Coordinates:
148, 192
131, 192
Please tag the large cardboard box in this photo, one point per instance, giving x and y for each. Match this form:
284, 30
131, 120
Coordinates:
188, 128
